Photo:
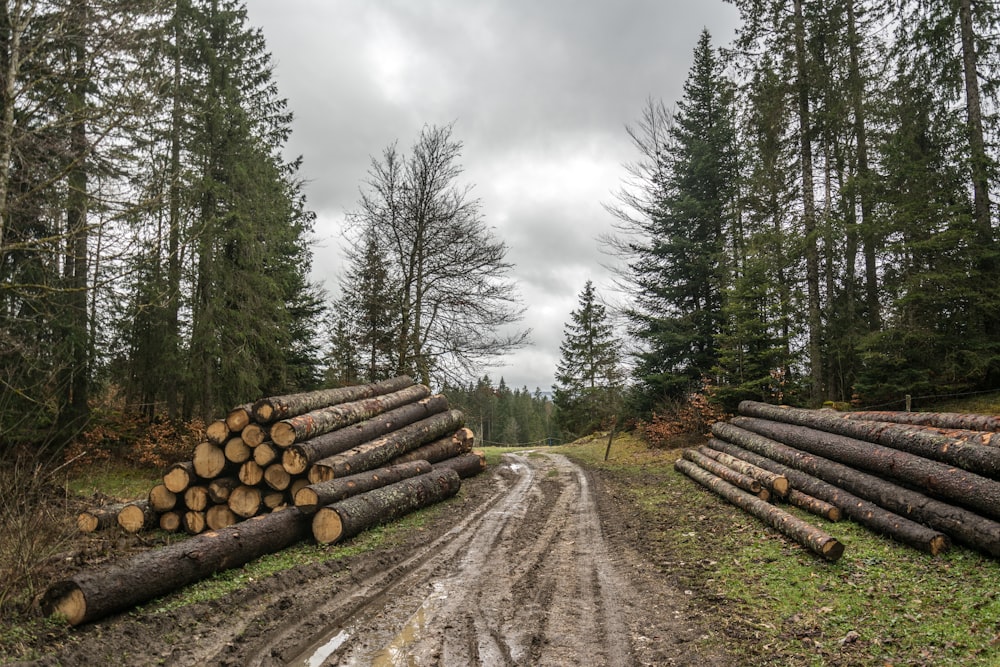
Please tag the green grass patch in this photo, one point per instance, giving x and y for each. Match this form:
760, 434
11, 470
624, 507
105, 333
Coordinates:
776, 603
113, 479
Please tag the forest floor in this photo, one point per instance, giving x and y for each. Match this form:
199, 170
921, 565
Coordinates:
553, 557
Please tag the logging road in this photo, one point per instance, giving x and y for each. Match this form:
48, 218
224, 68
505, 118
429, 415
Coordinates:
519, 572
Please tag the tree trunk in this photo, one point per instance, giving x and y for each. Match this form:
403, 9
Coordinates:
179, 477
729, 475
349, 517
805, 534
860, 511
439, 450
773, 481
137, 516
382, 450
964, 526
239, 417
979, 161
466, 465
283, 407
314, 496
162, 499
220, 488
209, 460
217, 432
813, 505
245, 501
298, 457
940, 479
946, 420
296, 429
100, 518
237, 451
963, 453
95, 593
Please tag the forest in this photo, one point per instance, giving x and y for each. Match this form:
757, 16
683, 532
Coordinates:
812, 221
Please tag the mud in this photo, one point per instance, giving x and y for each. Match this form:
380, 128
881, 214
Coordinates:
534, 563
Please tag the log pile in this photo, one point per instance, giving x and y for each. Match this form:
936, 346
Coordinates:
335, 462
923, 479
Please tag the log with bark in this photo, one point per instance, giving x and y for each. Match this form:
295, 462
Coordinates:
347, 518
239, 417
310, 498
940, 479
217, 432
466, 465
296, 429
961, 524
298, 457
137, 516
209, 460
813, 505
378, 452
162, 499
737, 479
802, 532
95, 593
962, 452
179, 476
447, 447
773, 481
99, 518
282, 407
946, 420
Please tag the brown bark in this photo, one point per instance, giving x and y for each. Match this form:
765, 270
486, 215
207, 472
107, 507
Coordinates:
276, 477
265, 454
209, 460
220, 516
962, 525
217, 432
378, 452
298, 457
296, 429
97, 592
137, 516
773, 481
813, 505
731, 476
99, 518
963, 453
946, 420
196, 498
251, 474
254, 434
245, 501
194, 522
237, 451
940, 479
805, 534
170, 521
239, 417
162, 499
282, 407
312, 497
220, 488
466, 465
439, 450
179, 476
349, 517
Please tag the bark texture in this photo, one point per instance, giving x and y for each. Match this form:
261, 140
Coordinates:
282, 407
310, 498
466, 465
441, 449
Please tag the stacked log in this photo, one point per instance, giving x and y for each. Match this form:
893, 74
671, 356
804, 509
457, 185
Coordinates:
924, 479
379, 451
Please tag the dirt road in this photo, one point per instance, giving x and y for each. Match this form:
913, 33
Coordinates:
520, 574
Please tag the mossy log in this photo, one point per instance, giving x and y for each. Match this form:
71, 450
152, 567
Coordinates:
98, 592
964, 453
859, 510
298, 457
815, 539
310, 498
349, 517
934, 477
276, 408
311, 424
378, 452
466, 465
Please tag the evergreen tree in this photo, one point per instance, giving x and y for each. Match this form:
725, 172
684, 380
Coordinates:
589, 381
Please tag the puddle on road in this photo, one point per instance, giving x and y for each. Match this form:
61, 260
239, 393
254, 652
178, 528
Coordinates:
397, 652
325, 651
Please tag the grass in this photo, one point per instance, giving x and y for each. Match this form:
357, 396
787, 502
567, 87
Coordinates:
777, 604
116, 480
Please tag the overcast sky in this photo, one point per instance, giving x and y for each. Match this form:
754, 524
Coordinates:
540, 92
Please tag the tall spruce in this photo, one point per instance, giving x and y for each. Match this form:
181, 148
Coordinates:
589, 380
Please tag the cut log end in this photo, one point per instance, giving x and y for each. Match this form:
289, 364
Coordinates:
832, 550
217, 432
70, 604
86, 522
307, 500
263, 411
939, 544
283, 434
327, 526
294, 461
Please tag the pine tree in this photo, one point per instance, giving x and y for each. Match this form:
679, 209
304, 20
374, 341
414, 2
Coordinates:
589, 380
